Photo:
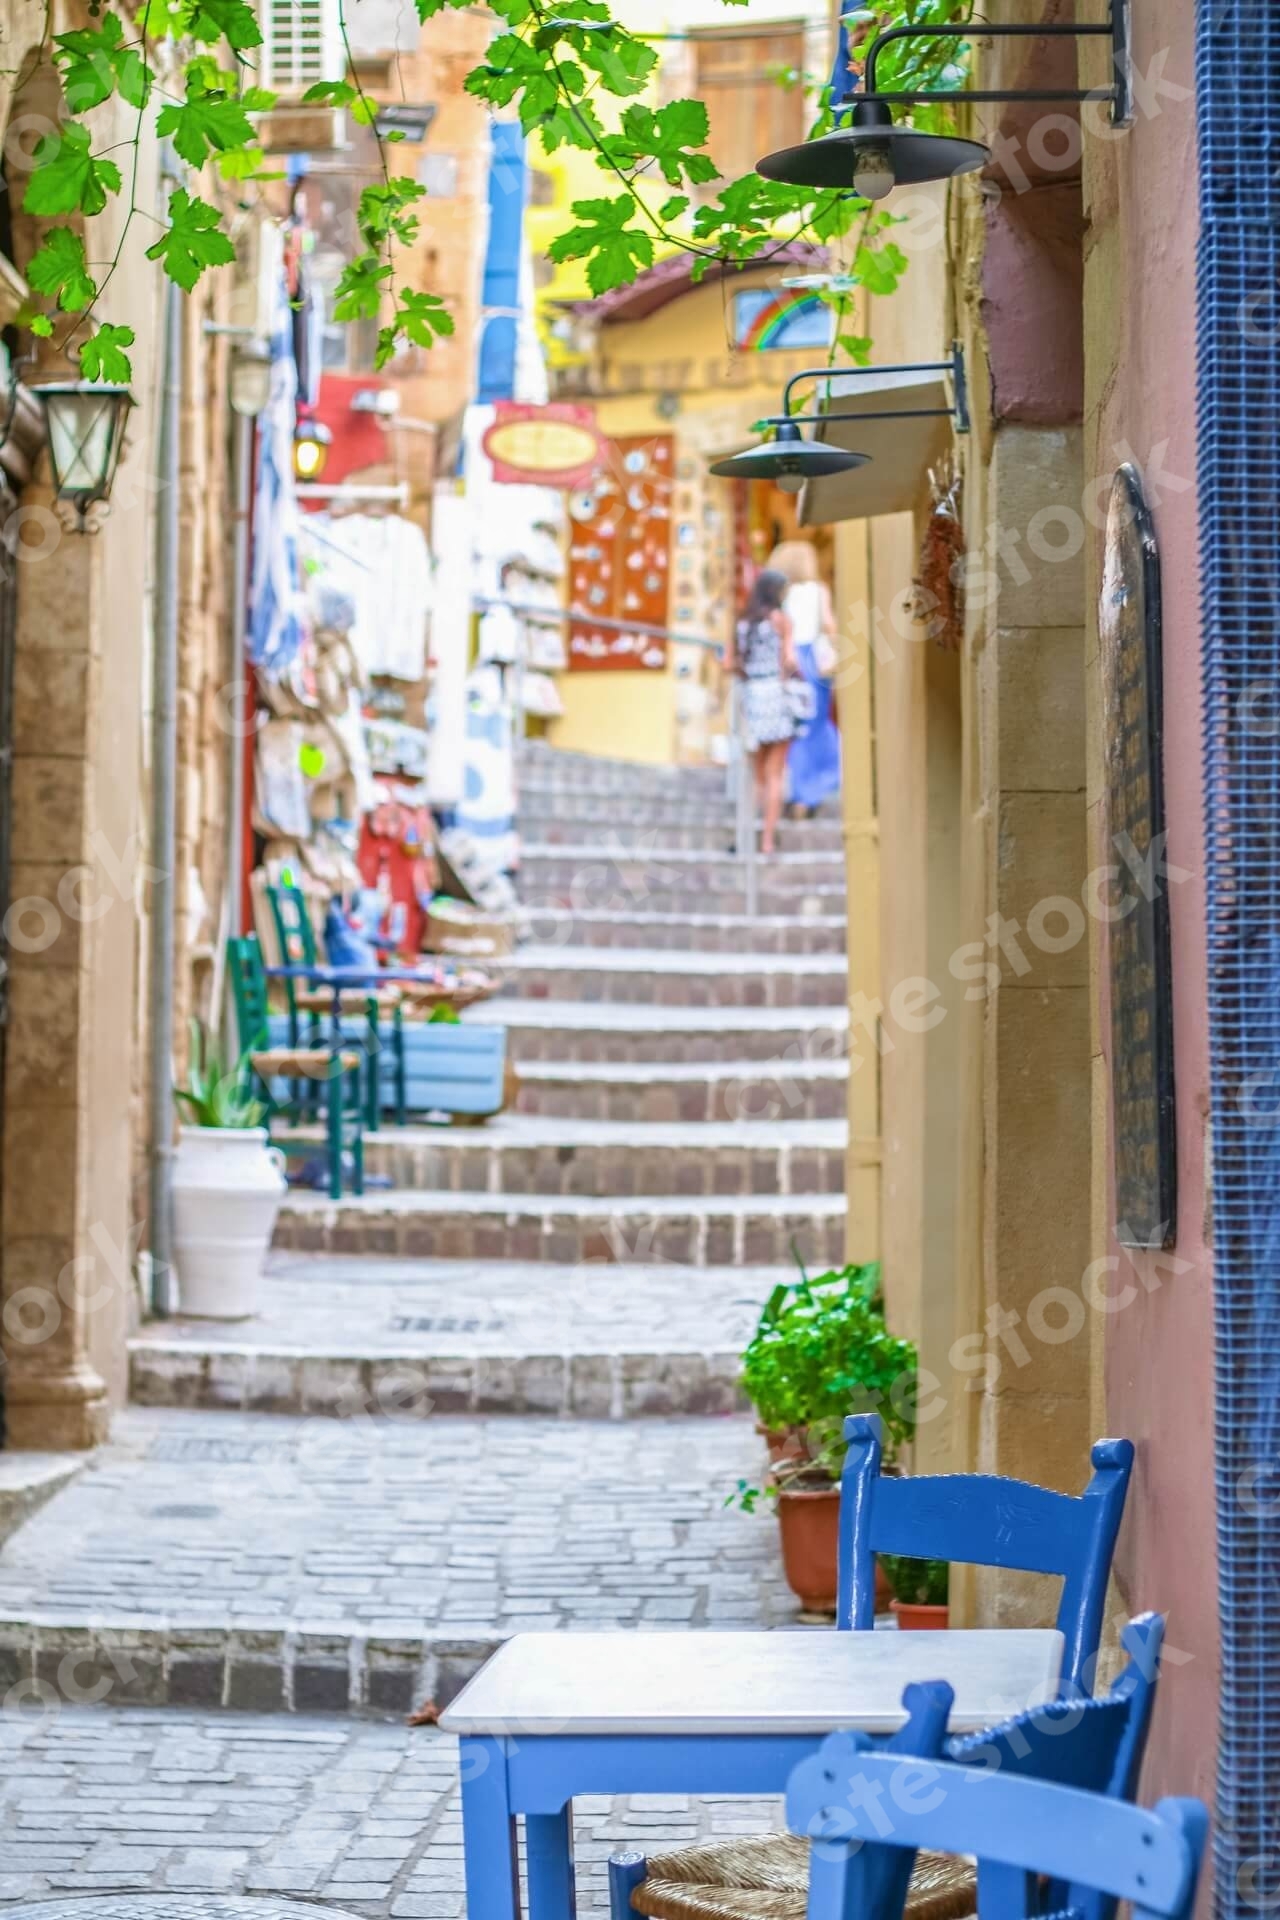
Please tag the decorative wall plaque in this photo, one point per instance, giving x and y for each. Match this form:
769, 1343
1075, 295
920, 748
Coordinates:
1144, 1144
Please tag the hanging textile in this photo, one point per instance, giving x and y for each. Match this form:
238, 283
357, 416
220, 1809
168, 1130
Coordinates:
277, 621
382, 562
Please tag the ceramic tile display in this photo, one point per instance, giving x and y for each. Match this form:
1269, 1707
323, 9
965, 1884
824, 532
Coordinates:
620, 557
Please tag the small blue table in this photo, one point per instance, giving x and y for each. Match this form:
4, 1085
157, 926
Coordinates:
555, 1714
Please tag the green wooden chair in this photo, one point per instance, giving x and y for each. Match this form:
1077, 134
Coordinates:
334, 1069
308, 1004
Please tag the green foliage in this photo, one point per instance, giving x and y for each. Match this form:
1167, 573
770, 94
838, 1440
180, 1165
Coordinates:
560, 66
608, 239
103, 356
822, 1351
192, 241
57, 269
67, 177
212, 120
216, 1095
919, 1583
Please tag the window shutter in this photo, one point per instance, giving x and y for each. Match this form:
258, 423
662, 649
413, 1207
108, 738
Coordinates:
302, 44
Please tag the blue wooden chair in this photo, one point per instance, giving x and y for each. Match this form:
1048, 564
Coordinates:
1095, 1745
866, 1812
980, 1520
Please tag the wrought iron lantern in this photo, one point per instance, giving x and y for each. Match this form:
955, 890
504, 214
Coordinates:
790, 459
872, 154
84, 428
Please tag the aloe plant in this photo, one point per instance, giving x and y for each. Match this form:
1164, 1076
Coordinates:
217, 1095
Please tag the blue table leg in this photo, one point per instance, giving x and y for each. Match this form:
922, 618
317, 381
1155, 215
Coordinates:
548, 1839
488, 1833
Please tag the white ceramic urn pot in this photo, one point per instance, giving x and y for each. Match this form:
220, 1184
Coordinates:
227, 1187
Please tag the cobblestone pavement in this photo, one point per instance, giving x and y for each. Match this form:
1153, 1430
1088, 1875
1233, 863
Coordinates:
457, 1527
360, 1815
317, 1304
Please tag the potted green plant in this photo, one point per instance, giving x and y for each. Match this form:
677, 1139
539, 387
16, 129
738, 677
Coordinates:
228, 1182
920, 1591
820, 1352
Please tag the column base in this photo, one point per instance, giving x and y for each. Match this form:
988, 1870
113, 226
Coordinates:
56, 1413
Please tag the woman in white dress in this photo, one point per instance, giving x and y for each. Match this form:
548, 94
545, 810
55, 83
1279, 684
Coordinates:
813, 761
763, 657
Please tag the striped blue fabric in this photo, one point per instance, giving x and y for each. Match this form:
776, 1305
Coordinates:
1238, 377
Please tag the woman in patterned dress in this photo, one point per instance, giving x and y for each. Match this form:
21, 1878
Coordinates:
763, 656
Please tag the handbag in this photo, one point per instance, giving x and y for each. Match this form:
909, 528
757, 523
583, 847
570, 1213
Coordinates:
802, 701
825, 657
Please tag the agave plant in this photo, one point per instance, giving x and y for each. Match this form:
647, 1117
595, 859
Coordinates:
217, 1095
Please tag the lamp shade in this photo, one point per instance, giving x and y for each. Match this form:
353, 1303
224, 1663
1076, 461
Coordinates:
871, 156
789, 460
84, 424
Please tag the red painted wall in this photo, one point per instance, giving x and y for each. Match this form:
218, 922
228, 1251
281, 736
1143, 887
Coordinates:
1141, 210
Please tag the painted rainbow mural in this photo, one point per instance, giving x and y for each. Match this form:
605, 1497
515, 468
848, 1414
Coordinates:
765, 320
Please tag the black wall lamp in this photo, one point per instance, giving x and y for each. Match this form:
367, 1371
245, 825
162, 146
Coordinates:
789, 459
872, 154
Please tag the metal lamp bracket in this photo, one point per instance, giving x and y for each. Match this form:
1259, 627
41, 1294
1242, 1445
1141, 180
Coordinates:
1116, 27
958, 411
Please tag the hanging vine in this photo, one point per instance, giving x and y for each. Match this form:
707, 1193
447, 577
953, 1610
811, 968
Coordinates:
573, 74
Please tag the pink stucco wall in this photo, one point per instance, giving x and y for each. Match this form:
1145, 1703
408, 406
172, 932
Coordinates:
1141, 224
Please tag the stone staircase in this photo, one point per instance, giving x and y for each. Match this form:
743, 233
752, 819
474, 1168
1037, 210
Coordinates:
503, 1391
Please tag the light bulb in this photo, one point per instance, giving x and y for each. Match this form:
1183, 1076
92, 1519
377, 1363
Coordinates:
873, 175
791, 482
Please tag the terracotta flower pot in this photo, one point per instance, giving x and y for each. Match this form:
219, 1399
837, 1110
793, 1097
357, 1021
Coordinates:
782, 1444
915, 1617
809, 1520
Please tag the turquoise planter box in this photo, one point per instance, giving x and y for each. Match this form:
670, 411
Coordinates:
447, 1069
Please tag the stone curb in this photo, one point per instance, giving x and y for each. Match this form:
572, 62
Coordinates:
246, 1666
585, 1386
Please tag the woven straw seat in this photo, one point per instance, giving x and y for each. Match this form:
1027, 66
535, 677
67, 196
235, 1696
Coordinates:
312, 1063
353, 999
766, 1877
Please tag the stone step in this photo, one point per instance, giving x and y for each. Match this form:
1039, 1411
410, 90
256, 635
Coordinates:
575, 1031
27, 1480
599, 773
698, 1231
666, 978
277, 1564
729, 1090
610, 888
688, 932
550, 828
411, 1339
518, 1154
660, 864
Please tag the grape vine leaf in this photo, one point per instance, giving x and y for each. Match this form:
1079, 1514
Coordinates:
97, 64
103, 356
57, 269
192, 242
231, 20
66, 177
209, 121
358, 294
420, 319
614, 250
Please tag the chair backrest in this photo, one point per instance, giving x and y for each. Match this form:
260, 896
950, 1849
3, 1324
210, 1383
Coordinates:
1096, 1745
249, 990
982, 1520
295, 928
857, 1804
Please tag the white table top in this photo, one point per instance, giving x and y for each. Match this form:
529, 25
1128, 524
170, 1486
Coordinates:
725, 1683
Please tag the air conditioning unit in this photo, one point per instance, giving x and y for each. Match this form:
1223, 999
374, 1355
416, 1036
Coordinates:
301, 45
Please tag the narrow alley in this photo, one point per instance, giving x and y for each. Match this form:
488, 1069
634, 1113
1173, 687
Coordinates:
324, 1519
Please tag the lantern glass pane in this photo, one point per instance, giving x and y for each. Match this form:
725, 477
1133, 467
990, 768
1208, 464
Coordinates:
82, 429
